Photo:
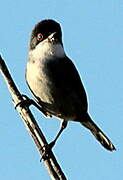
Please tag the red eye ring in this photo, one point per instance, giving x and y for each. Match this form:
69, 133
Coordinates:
39, 37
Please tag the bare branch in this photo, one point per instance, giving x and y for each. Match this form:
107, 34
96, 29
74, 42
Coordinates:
51, 163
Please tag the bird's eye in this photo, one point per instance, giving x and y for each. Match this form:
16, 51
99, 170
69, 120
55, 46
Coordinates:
39, 37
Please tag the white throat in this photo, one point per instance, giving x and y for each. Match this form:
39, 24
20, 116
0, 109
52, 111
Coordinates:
47, 50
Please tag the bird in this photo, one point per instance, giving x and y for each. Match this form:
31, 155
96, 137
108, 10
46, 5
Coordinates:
55, 82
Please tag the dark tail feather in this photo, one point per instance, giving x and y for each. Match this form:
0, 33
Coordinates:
100, 136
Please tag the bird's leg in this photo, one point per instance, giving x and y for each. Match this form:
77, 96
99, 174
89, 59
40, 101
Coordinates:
49, 146
27, 102
63, 125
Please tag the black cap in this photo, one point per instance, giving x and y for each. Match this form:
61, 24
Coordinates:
45, 28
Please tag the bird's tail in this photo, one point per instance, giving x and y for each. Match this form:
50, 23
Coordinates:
99, 135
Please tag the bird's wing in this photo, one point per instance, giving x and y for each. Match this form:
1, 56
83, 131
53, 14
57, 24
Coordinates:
67, 79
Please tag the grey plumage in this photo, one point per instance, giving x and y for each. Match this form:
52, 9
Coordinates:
54, 80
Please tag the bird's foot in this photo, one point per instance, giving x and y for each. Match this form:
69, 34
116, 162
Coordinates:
25, 102
47, 150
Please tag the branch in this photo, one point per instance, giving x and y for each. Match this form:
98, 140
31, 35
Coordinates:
50, 163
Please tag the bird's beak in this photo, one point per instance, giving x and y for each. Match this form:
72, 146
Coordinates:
53, 37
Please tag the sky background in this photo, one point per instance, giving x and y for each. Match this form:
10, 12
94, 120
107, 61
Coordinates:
93, 39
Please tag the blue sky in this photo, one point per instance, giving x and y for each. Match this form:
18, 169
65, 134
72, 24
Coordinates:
93, 38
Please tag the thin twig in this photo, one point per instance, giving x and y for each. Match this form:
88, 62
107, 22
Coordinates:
51, 163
